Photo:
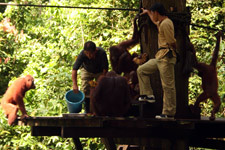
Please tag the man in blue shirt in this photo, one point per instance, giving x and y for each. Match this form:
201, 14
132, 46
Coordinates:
93, 62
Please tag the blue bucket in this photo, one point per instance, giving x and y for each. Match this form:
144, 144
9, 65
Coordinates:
74, 101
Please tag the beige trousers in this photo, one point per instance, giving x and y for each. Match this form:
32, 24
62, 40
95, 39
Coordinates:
165, 66
86, 77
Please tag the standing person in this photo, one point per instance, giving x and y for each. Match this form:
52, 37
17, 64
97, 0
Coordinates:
93, 62
164, 61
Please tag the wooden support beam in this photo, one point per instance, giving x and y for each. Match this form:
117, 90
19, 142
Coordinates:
77, 143
45, 131
208, 143
144, 132
109, 143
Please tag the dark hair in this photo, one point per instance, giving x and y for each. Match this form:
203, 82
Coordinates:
90, 46
159, 8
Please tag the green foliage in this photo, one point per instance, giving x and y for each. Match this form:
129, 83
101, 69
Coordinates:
211, 14
46, 45
49, 39
9, 50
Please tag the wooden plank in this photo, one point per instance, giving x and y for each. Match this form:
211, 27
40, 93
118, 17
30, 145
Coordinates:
156, 143
125, 132
62, 121
68, 115
120, 122
45, 131
208, 143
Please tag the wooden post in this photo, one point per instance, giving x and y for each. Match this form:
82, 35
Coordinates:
149, 44
109, 143
77, 143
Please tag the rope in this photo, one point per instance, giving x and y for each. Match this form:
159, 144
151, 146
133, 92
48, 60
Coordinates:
178, 17
29, 5
206, 27
185, 18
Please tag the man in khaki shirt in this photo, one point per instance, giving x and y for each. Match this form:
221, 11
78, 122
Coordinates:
164, 61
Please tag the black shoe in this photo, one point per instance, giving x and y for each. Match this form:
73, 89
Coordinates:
162, 116
150, 99
145, 98
142, 98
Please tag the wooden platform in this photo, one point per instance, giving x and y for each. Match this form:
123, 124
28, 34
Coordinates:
145, 132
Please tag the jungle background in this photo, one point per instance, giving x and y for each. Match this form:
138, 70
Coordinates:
44, 42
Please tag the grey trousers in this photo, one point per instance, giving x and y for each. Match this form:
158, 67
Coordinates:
86, 77
165, 66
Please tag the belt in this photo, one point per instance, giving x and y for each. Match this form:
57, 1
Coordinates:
169, 54
164, 48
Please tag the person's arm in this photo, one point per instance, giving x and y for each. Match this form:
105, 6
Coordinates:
76, 66
74, 79
148, 12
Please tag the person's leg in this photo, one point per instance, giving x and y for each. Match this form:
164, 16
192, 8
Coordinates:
87, 100
143, 73
86, 77
166, 69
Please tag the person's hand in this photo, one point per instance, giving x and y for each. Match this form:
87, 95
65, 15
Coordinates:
144, 11
149, 13
75, 88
